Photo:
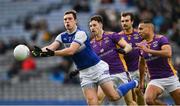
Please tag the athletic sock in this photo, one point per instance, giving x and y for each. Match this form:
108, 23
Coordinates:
124, 88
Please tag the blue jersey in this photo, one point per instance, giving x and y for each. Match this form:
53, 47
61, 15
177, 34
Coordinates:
85, 57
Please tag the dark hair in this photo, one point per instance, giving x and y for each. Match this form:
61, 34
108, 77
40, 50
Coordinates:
73, 12
97, 18
146, 21
124, 14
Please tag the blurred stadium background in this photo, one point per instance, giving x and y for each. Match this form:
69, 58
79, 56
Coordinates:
38, 22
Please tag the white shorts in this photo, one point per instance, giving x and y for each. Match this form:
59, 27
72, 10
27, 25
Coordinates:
135, 75
120, 78
95, 75
169, 84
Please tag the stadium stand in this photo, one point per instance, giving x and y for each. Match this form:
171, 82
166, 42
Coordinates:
19, 23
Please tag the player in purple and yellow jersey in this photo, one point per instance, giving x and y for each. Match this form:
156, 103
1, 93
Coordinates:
132, 58
132, 37
156, 52
105, 44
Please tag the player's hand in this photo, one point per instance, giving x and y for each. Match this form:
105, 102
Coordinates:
47, 53
120, 50
36, 52
143, 46
72, 74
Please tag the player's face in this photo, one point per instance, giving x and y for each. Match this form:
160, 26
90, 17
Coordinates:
143, 30
95, 27
69, 21
126, 22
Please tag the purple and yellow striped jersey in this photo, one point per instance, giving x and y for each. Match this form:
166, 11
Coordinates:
159, 67
132, 58
105, 49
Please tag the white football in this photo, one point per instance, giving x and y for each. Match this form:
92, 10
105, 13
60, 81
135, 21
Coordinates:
21, 52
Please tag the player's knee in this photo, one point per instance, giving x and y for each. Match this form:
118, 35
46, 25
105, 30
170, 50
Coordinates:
92, 101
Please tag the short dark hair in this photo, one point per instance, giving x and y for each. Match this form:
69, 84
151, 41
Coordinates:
145, 21
124, 14
73, 12
97, 18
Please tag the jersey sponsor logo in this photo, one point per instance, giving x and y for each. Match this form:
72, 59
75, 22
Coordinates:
105, 53
151, 58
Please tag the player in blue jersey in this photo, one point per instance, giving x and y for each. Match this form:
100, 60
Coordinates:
156, 53
93, 71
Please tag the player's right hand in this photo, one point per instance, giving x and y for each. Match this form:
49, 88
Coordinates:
37, 51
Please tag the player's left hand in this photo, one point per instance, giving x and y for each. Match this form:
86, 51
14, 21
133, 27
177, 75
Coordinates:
143, 47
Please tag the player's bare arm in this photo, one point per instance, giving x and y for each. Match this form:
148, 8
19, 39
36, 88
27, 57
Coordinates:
53, 46
164, 52
127, 47
68, 51
142, 71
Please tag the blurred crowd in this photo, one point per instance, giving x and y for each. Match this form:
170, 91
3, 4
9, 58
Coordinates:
163, 13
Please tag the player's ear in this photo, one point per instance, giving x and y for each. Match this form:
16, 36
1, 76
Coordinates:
75, 21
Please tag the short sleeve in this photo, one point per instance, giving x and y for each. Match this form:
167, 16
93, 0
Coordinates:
115, 37
59, 38
80, 37
163, 41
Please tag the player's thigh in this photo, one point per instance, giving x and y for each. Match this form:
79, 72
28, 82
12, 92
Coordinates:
109, 90
176, 96
90, 93
152, 92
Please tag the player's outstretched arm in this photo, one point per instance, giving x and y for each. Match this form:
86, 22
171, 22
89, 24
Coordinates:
53, 46
68, 51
